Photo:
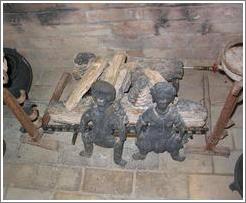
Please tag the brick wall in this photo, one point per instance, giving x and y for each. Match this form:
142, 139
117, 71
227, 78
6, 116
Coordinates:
49, 35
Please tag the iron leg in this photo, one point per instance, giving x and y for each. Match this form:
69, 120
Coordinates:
176, 156
118, 150
88, 146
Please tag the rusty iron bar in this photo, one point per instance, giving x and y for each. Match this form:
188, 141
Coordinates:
226, 112
62, 83
20, 114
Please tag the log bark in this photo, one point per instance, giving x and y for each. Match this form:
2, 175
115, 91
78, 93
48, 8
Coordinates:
62, 83
112, 72
123, 81
85, 83
59, 114
154, 76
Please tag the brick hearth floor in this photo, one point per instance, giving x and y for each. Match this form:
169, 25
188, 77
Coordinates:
31, 172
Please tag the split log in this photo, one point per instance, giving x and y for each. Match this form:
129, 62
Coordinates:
111, 73
194, 114
59, 114
85, 83
132, 65
62, 83
153, 76
123, 81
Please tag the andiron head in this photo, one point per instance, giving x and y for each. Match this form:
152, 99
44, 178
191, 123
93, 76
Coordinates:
163, 93
103, 93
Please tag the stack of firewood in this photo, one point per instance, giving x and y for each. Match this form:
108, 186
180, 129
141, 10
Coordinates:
132, 81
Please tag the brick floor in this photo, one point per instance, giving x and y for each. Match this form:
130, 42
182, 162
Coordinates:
150, 163
7, 114
71, 183
218, 94
211, 187
237, 117
44, 177
195, 76
49, 78
107, 181
215, 113
30, 194
76, 196
31, 172
41, 155
18, 175
237, 134
194, 163
153, 185
12, 152
101, 157
219, 79
41, 93
223, 165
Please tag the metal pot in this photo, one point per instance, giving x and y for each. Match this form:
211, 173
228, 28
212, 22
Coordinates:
19, 72
238, 176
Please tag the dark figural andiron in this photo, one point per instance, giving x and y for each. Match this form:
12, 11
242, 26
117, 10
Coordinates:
104, 123
160, 128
